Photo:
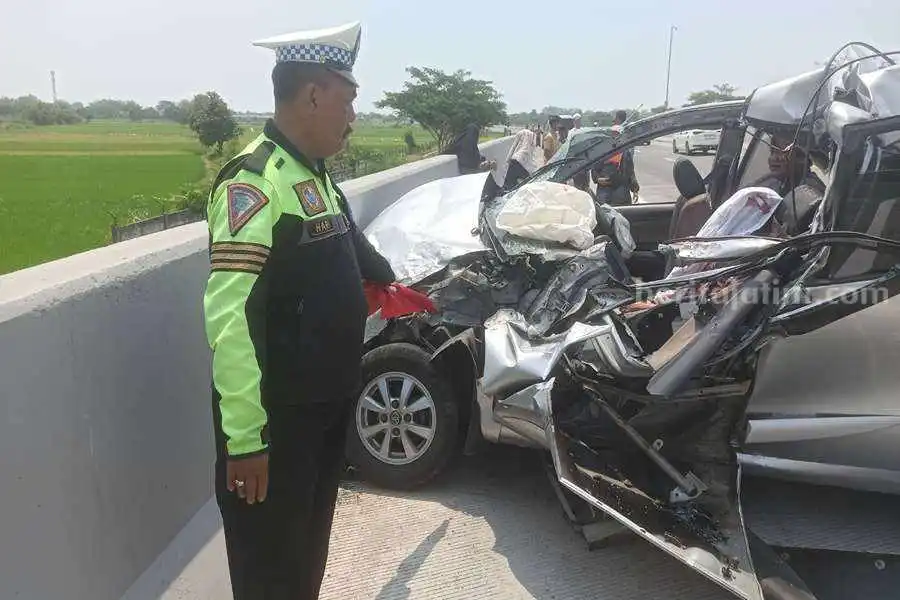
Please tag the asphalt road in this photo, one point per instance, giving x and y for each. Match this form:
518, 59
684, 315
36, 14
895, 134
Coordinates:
653, 166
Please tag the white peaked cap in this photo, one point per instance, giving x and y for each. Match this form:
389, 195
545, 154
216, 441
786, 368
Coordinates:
335, 48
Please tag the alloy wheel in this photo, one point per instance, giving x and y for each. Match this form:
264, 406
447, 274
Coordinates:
395, 418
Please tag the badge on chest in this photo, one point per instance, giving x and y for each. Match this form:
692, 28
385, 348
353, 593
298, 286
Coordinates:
310, 198
321, 227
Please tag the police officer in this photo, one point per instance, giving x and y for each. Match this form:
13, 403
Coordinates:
285, 313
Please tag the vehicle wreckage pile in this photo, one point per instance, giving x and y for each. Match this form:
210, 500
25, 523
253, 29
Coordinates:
641, 413
553, 344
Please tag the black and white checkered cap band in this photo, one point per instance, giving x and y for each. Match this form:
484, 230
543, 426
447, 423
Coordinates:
319, 53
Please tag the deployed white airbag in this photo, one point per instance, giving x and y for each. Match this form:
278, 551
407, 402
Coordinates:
551, 212
745, 213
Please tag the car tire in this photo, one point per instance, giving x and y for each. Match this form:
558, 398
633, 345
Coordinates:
396, 364
674, 147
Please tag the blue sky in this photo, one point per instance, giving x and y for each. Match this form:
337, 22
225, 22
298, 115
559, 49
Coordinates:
589, 54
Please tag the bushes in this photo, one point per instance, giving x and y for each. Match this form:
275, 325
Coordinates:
356, 161
360, 160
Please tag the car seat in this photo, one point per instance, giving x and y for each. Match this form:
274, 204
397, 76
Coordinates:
692, 208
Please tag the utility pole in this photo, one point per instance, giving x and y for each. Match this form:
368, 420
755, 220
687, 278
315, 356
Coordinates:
669, 67
53, 84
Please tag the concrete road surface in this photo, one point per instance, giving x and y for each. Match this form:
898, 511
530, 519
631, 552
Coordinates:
491, 528
653, 166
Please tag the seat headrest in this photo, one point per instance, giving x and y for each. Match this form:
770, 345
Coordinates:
687, 179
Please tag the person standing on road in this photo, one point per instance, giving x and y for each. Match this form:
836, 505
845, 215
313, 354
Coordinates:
576, 122
563, 128
468, 155
616, 179
524, 158
551, 143
285, 313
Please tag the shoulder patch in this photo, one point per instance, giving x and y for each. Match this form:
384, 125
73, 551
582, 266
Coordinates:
244, 201
310, 199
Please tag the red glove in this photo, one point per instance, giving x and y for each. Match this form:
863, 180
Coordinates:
375, 295
396, 300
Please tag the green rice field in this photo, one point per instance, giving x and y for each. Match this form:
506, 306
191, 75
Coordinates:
63, 187
53, 206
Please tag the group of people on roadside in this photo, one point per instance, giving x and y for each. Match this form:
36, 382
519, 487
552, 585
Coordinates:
615, 181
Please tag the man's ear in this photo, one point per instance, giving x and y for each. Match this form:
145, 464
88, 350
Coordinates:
306, 97
313, 93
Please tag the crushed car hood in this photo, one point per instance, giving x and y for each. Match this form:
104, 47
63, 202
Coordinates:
426, 228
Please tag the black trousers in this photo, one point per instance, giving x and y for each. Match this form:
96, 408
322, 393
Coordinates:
581, 182
277, 549
617, 196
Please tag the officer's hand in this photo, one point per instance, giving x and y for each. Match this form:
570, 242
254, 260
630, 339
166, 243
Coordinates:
249, 476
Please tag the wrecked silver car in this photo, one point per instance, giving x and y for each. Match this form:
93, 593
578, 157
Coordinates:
644, 416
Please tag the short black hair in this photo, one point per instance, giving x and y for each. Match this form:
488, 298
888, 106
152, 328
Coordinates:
288, 78
621, 115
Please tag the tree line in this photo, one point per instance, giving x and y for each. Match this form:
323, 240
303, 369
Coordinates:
31, 109
442, 103
718, 93
208, 115
445, 103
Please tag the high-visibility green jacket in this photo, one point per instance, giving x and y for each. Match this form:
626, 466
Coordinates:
284, 305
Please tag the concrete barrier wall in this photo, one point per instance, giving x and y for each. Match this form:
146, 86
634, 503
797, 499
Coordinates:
104, 381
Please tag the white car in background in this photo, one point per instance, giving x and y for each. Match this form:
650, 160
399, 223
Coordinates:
696, 140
